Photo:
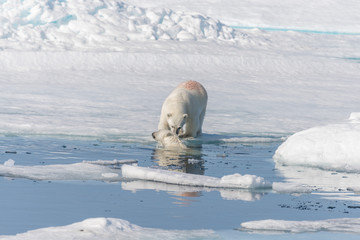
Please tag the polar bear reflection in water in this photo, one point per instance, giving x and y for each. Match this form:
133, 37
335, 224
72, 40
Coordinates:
178, 157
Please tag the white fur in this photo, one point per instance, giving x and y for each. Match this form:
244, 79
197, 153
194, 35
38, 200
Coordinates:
168, 139
186, 105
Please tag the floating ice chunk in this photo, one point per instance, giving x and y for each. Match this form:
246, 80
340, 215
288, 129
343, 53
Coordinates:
332, 147
9, 163
109, 228
243, 181
355, 117
159, 175
350, 225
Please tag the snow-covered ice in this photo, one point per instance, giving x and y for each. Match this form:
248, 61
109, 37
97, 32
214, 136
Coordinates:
159, 175
109, 228
349, 225
77, 75
331, 147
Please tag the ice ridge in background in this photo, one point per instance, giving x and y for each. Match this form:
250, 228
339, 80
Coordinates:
54, 24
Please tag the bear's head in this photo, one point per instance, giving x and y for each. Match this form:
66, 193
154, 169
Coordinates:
176, 122
168, 139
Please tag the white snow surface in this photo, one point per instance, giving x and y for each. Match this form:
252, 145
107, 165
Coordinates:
159, 175
109, 228
347, 225
331, 147
97, 68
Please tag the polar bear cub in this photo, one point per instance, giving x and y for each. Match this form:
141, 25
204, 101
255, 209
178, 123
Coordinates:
183, 111
168, 139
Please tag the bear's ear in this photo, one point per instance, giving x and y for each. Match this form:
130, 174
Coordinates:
169, 115
185, 116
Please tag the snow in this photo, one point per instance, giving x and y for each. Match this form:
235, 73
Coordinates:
159, 175
331, 147
323, 15
348, 225
80, 25
82, 67
109, 228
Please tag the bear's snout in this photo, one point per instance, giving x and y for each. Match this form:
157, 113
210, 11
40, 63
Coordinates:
153, 135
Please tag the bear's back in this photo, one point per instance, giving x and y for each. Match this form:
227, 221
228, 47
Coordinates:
193, 86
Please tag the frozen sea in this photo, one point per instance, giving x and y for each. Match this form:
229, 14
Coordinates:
82, 84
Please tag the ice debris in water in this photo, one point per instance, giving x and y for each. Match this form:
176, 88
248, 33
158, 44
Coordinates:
9, 163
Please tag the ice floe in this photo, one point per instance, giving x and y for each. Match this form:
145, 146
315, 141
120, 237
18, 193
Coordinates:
331, 147
348, 225
159, 175
109, 228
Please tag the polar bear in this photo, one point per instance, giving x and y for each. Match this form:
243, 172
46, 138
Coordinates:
168, 139
186, 105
